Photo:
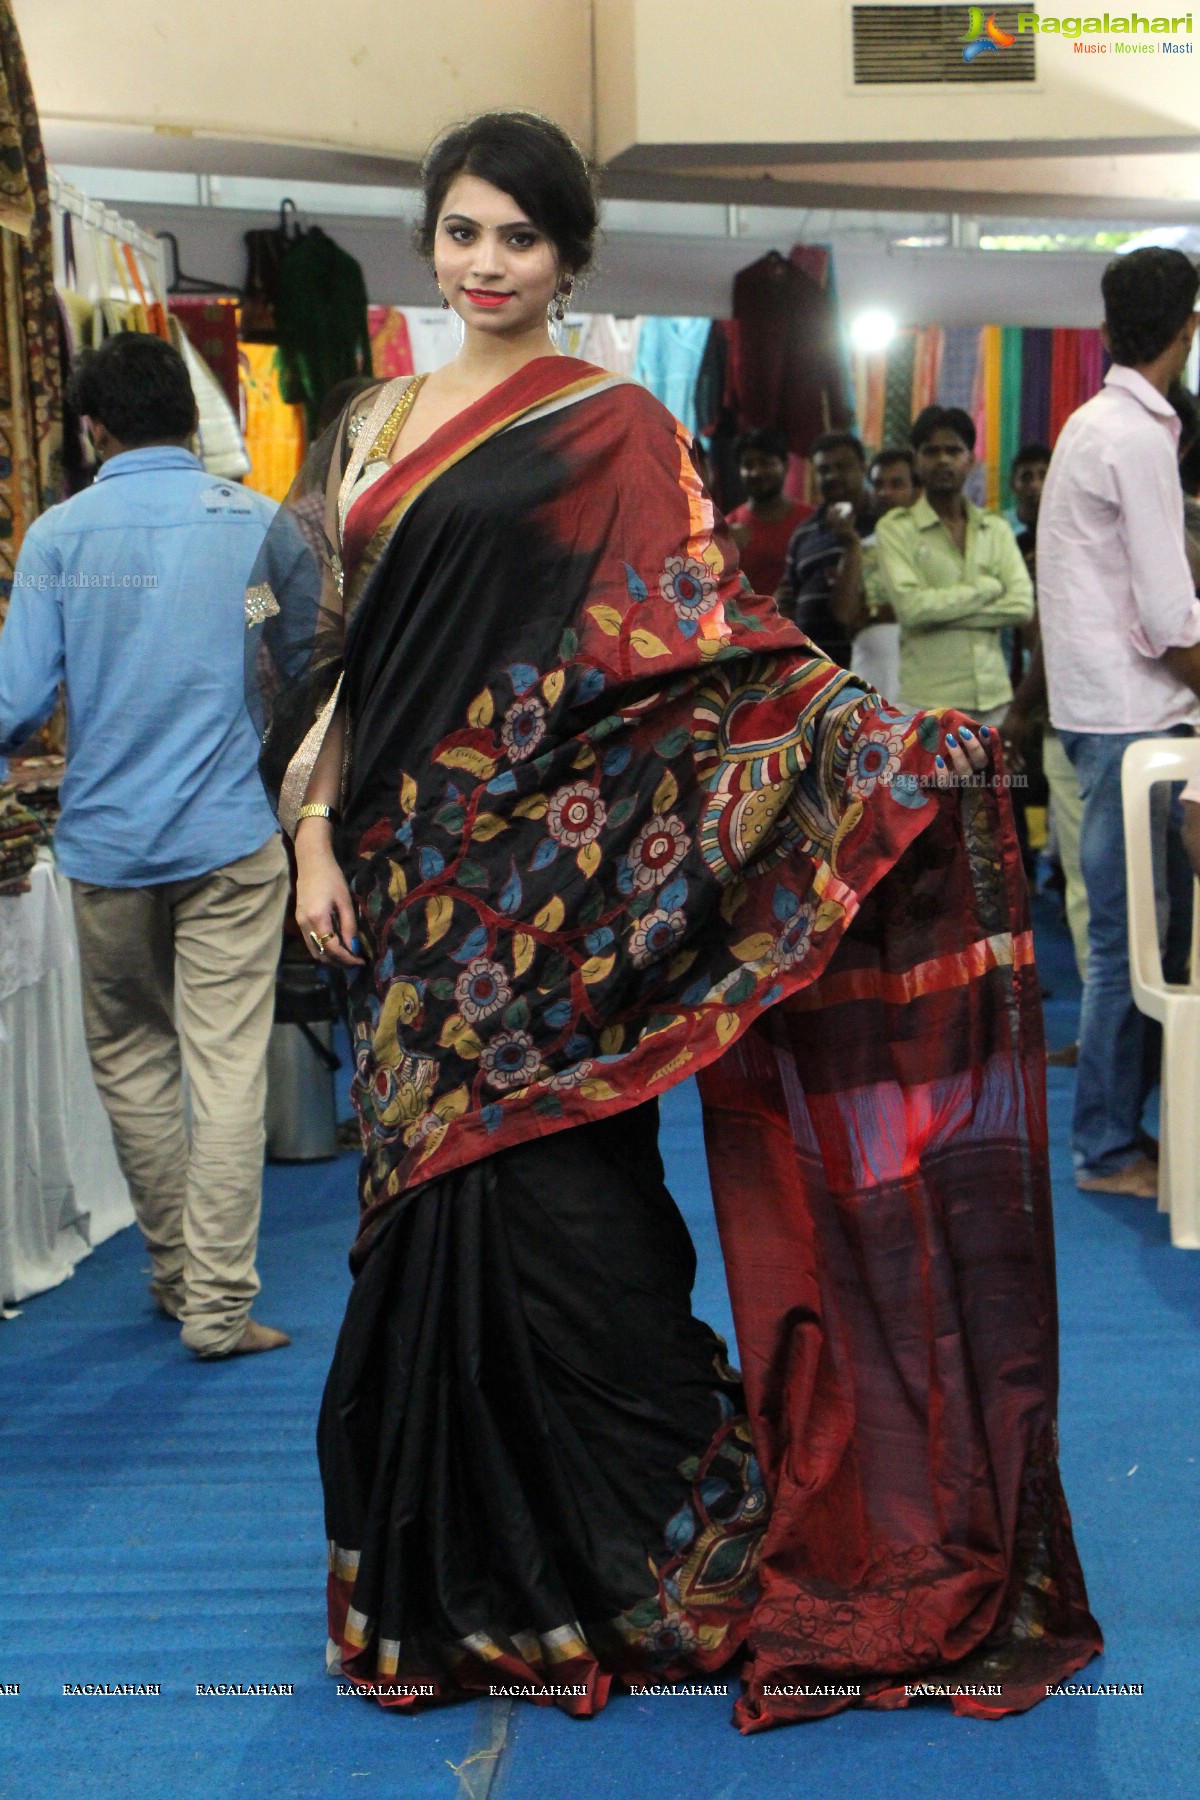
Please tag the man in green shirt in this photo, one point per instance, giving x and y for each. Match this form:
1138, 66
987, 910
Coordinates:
955, 576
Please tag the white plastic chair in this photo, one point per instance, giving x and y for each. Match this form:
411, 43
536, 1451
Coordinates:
1176, 1008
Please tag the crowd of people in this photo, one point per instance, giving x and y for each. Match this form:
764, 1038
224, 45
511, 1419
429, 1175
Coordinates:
901, 577
581, 806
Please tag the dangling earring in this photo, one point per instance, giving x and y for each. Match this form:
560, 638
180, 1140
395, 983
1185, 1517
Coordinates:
556, 312
445, 304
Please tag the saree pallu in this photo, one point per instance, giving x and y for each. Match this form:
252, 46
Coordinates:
610, 822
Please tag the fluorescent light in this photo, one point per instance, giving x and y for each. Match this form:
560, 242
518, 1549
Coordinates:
873, 331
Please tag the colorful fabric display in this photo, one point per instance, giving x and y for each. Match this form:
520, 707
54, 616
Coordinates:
391, 347
669, 354
30, 344
220, 446
274, 430
212, 330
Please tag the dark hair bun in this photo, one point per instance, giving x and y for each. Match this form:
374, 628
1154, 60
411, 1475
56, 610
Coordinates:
528, 157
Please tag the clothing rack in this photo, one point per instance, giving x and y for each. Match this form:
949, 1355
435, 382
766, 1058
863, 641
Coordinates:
95, 216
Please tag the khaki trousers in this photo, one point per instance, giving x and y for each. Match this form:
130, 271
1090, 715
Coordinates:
182, 974
1068, 815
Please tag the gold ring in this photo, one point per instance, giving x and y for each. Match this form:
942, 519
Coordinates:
321, 942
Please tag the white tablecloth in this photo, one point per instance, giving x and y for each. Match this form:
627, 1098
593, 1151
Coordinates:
61, 1192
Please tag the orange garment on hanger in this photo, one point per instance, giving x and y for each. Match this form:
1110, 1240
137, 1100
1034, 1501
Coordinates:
155, 315
273, 430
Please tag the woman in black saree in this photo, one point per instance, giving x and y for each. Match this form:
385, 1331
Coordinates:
581, 818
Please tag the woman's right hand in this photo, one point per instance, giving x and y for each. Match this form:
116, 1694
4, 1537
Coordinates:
324, 909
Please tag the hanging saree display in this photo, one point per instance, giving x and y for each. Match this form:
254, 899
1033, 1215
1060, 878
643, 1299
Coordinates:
274, 431
30, 339
1020, 384
212, 330
391, 346
610, 822
788, 365
321, 315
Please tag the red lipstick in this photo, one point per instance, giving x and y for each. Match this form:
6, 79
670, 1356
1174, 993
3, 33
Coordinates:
486, 297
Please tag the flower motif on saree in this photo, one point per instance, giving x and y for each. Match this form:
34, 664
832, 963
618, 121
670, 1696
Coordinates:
524, 728
569, 1078
689, 587
482, 989
655, 937
792, 944
510, 1060
876, 760
657, 850
576, 815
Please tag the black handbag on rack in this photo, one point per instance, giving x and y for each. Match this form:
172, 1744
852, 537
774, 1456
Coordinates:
265, 251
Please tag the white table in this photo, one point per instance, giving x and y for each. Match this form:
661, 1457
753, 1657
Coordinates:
61, 1192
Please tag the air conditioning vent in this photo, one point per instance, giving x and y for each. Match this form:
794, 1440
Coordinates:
902, 45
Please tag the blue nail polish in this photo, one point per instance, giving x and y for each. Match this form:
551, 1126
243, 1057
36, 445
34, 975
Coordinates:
985, 731
964, 733
940, 763
950, 738
354, 946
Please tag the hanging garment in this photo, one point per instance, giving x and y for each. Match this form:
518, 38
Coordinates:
611, 343
588, 859
78, 455
1094, 361
816, 261
869, 369
984, 481
669, 353
1065, 395
927, 365
788, 361
716, 417
434, 333
266, 248
1012, 375
212, 330
219, 442
1035, 385
151, 312
898, 394
391, 348
76, 308
321, 312
960, 361
31, 371
274, 430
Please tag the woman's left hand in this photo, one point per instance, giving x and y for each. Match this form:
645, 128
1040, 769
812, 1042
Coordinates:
964, 754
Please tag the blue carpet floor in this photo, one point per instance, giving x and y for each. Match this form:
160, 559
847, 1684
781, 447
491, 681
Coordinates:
162, 1523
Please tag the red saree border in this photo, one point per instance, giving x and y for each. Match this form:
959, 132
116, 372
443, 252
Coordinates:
376, 513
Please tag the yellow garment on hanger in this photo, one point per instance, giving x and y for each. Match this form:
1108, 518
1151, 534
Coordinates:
80, 313
273, 430
990, 447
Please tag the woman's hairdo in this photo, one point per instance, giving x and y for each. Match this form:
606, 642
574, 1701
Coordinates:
528, 157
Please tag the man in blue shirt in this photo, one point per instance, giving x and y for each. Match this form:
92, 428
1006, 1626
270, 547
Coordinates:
132, 594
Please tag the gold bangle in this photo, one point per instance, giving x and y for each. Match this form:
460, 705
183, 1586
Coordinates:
317, 812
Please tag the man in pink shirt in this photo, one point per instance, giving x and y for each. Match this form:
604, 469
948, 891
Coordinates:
1121, 636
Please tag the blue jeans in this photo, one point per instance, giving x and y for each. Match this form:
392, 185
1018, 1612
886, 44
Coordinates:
1119, 1047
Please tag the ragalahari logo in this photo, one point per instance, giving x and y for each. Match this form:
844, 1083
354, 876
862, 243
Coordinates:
980, 37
